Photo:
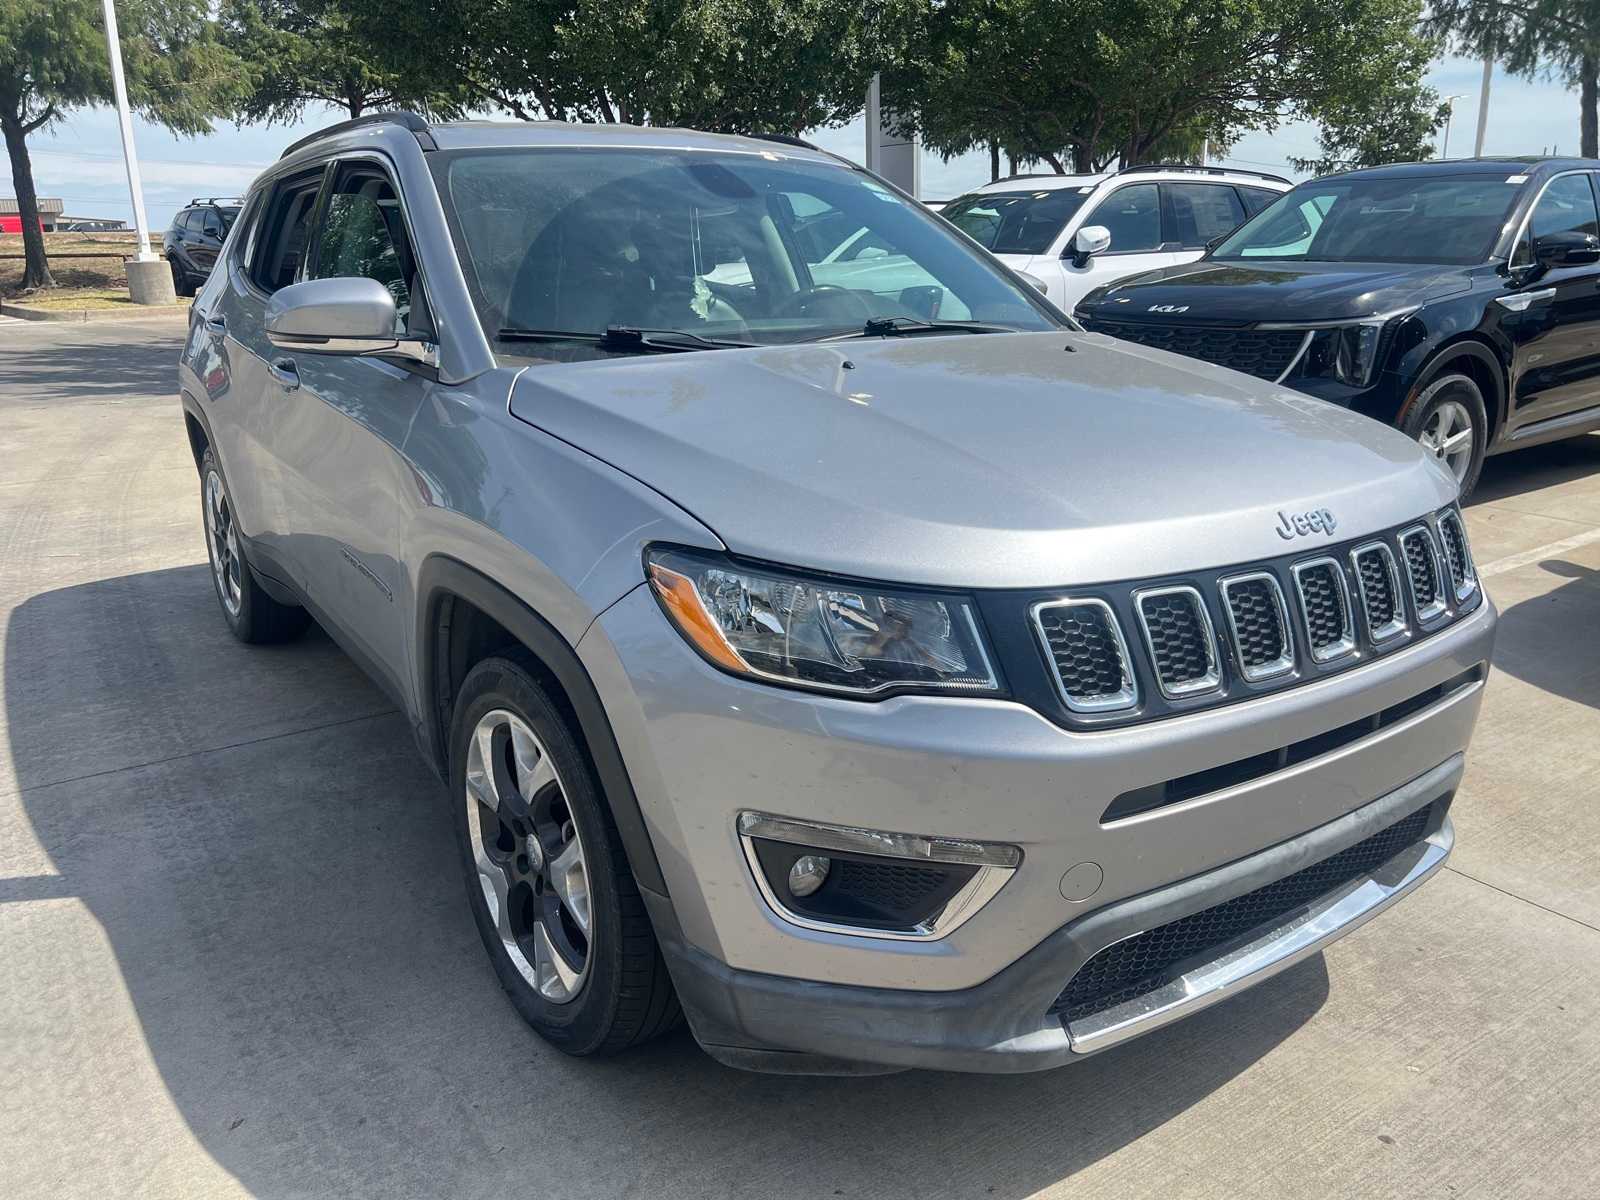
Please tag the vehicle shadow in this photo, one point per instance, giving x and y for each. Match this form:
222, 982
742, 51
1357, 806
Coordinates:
1550, 640
1550, 465
286, 911
74, 369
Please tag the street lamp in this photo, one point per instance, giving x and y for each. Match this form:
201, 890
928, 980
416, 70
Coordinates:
1449, 111
149, 279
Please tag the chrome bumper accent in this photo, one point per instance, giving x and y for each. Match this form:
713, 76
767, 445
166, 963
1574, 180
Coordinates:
1268, 952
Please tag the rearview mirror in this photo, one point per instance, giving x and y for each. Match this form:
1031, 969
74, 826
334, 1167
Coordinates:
1089, 241
1566, 249
346, 315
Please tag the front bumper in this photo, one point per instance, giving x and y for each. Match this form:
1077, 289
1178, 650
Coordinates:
1006, 1024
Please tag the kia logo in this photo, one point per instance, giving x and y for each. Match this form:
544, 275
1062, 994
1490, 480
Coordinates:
1168, 308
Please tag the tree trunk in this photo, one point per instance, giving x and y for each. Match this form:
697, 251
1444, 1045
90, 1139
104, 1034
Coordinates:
994, 161
1587, 119
1055, 163
1082, 160
36, 268
353, 103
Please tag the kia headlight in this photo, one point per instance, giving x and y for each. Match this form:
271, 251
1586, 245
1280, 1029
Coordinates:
837, 636
1349, 353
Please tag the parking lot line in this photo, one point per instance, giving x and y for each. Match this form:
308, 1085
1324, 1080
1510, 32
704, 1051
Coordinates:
1527, 557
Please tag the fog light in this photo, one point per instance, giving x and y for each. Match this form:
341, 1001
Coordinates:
810, 871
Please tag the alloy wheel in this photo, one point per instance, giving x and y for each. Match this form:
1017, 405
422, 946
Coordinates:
222, 544
1448, 436
529, 856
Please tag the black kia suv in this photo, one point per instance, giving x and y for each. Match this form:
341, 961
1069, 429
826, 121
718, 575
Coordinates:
194, 239
1457, 300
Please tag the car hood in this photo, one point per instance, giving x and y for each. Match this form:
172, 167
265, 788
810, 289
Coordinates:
999, 460
1273, 291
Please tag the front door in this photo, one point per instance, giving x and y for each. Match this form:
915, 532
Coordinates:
1133, 215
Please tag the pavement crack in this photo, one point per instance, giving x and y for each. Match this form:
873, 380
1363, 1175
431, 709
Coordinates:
1554, 912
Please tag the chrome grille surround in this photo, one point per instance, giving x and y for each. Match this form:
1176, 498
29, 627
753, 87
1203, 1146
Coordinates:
1243, 585
1305, 574
1423, 568
1457, 554
1207, 680
1102, 627
1379, 552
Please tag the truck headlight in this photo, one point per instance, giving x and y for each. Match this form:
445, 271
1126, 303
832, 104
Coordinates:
850, 638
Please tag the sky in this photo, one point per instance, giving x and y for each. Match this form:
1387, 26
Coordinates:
80, 159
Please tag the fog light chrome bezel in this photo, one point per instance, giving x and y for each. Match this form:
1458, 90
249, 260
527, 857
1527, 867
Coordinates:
994, 865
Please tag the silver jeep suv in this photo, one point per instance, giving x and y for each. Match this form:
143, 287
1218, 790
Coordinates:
818, 634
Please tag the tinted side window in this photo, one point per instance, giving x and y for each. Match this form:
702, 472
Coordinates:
1255, 199
1567, 206
281, 246
180, 223
210, 223
1133, 215
363, 235
1200, 212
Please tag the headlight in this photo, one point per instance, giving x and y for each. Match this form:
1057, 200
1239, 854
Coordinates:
1349, 353
820, 633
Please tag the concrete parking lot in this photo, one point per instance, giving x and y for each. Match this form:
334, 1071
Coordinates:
235, 957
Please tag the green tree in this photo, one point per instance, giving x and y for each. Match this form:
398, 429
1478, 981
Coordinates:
53, 59
1089, 82
298, 52
1394, 124
1536, 39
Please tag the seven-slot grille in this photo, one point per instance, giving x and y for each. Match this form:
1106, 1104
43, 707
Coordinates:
1330, 629
1091, 660
1422, 569
1177, 632
1264, 353
1278, 623
1260, 624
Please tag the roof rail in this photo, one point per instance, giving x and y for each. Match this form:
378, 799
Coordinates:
214, 200
787, 139
1034, 175
406, 120
1202, 170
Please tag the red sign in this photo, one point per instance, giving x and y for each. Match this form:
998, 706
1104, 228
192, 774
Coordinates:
14, 225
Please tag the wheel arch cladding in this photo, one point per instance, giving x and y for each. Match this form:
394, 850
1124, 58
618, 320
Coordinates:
463, 616
1477, 359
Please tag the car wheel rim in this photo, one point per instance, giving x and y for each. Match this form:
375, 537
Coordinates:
222, 544
1448, 436
528, 855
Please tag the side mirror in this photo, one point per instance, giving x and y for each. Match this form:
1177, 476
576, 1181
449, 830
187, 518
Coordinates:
1567, 249
354, 316
1089, 241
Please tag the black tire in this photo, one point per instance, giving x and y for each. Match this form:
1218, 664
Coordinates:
625, 996
1442, 388
180, 279
252, 615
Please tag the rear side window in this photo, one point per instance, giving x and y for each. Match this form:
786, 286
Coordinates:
363, 235
1133, 215
281, 247
1567, 206
1201, 212
1255, 199
180, 223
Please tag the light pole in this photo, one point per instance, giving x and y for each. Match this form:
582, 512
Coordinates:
149, 278
1483, 105
1449, 111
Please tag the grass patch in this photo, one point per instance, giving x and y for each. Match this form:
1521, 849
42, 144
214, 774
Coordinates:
75, 273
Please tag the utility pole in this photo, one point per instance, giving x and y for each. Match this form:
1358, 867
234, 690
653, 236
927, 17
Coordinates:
149, 278
1483, 105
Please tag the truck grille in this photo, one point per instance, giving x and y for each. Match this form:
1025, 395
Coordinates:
1380, 590
1090, 658
1422, 568
1144, 962
1264, 353
1458, 558
1329, 627
1177, 632
1257, 616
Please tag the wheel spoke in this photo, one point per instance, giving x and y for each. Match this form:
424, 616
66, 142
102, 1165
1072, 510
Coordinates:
480, 768
496, 894
570, 880
1457, 442
534, 769
555, 977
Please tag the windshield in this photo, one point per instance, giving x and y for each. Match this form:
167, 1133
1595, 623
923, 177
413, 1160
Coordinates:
1016, 222
1430, 219
752, 248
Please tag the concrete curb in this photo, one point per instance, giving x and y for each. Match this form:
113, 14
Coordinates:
25, 313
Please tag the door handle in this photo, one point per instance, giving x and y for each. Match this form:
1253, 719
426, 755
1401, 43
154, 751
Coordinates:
216, 326
283, 370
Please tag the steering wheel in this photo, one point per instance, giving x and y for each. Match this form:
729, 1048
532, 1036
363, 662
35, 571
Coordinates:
828, 300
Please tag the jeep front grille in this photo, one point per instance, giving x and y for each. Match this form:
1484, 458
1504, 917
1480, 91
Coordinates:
1264, 353
1092, 669
1177, 632
1379, 588
1260, 625
1325, 602
1457, 555
1422, 569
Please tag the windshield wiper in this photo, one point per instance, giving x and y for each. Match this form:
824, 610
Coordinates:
625, 337
902, 326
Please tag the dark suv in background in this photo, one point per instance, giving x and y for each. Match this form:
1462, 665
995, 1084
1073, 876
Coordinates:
194, 239
1459, 301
